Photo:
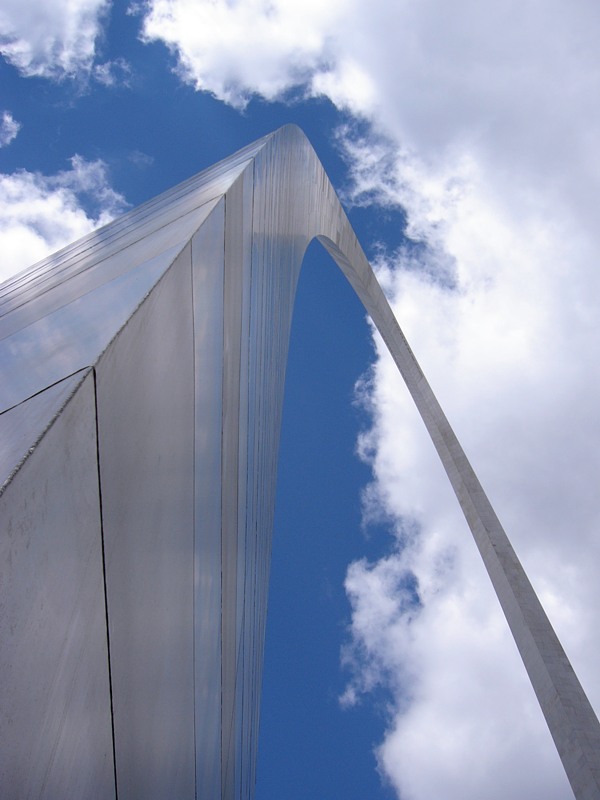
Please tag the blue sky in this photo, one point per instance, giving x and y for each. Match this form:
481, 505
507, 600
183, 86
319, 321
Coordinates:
463, 141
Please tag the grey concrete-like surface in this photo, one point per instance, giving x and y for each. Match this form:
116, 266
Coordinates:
156, 349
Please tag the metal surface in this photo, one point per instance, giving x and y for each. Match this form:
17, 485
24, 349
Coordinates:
55, 722
145, 428
208, 259
179, 314
23, 425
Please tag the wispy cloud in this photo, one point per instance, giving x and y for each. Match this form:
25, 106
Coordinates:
113, 73
9, 128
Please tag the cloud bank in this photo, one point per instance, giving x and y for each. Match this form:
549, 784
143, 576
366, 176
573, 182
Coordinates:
483, 129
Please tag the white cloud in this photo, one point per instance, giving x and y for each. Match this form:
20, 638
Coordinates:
252, 46
113, 73
9, 128
500, 308
40, 213
53, 39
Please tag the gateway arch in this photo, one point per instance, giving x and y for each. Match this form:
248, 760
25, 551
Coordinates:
140, 407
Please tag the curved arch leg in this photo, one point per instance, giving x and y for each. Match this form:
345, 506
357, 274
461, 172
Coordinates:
149, 358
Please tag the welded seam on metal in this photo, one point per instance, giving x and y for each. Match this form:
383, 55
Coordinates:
195, 467
104, 589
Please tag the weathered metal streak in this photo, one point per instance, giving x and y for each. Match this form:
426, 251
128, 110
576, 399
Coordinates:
183, 309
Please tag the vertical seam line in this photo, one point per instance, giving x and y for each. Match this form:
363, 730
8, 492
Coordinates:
100, 501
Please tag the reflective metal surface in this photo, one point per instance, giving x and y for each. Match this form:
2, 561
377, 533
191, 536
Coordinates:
23, 425
62, 331
145, 427
208, 257
55, 726
142, 383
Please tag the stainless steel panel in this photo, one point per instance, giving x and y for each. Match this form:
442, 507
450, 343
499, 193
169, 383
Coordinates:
146, 422
207, 273
72, 337
55, 727
100, 264
233, 475
22, 426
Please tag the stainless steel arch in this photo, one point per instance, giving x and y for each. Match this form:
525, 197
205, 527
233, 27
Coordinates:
140, 411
